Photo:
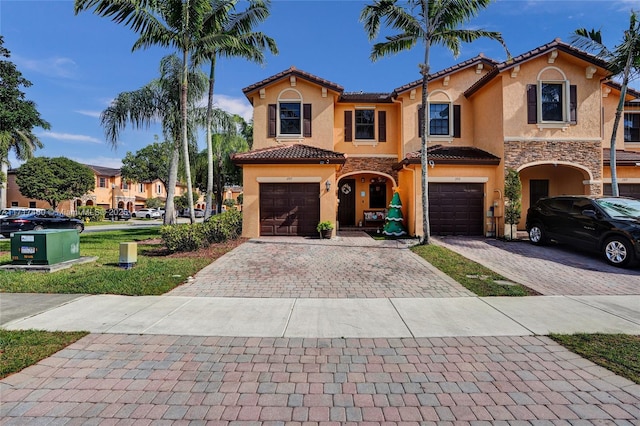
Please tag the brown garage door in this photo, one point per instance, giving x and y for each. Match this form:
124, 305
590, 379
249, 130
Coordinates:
289, 208
456, 208
624, 189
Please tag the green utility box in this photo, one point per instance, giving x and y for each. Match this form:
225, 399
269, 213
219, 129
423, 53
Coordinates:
46, 247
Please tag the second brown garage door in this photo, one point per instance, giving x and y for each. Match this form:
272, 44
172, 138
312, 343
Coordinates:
456, 208
289, 209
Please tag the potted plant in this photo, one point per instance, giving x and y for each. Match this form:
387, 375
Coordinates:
512, 208
324, 228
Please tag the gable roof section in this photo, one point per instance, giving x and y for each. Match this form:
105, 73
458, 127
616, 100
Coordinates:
293, 71
290, 154
556, 44
480, 59
623, 158
452, 155
104, 171
363, 97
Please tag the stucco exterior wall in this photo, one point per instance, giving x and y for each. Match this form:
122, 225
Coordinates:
287, 174
367, 147
308, 93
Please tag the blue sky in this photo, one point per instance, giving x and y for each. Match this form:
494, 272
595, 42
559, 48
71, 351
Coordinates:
78, 64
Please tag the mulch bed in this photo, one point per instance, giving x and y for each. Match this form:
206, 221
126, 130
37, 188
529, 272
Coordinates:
213, 251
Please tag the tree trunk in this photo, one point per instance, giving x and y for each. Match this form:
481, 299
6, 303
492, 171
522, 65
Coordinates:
424, 163
616, 123
169, 212
208, 197
185, 135
3, 190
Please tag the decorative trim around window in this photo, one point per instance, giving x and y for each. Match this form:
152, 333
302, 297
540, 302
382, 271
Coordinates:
632, 127
454, 126
289, 120
552, 104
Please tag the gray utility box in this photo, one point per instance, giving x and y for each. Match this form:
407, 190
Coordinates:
45, 247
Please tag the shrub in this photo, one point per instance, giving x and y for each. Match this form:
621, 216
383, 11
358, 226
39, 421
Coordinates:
185, 237
223, 227
90, 213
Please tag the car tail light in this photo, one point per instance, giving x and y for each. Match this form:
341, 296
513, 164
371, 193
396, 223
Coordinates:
20, 221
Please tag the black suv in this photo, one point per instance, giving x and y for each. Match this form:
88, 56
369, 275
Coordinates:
609, 225
117, 214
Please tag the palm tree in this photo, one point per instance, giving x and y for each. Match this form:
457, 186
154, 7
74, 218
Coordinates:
166, 23
159, 100
427, 22
230, 35
623, 60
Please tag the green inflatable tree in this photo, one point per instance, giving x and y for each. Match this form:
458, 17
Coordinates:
393, 224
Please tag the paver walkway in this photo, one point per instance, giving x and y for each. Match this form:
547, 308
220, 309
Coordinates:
550, 270
130, 379
351, 266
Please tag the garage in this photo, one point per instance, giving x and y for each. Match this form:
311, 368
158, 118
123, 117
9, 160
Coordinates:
289, 209
624, 189
456, 208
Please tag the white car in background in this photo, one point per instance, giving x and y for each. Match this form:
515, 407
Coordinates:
147, 214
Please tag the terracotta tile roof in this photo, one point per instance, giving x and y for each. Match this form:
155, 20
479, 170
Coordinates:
104, 171
452, 155
366, 97
623, 158
293, 71
480, 59
290, 154
630, 91
556, 44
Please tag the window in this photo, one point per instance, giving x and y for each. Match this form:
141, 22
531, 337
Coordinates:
32, 204
141, 187
294, 119
552, 102
158, 188
102, 182
365, 122
125, 184
377, 196
290, 118
632, 127
439, 119
14, 204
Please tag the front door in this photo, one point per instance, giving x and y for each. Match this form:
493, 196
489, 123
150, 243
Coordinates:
538, 188
347, 206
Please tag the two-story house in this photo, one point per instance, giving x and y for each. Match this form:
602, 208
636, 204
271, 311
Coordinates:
321, 153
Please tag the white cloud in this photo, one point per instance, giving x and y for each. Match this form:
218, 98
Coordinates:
94, 114
54, 66
69, 137
234, 105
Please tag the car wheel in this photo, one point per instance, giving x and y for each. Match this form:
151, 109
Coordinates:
537, 235
79, 227
38, 228
148, 216
618, 251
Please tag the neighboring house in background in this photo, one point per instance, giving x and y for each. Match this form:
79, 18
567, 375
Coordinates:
321, 153
111, 191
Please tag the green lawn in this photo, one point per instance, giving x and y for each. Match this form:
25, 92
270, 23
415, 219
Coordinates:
155, 273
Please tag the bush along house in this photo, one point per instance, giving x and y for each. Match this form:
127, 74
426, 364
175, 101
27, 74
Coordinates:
321, 153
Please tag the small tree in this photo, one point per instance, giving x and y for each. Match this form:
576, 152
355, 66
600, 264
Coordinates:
54, 179
513, 193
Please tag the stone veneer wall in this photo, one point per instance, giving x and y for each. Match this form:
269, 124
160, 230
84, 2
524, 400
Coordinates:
584, 153
357, 164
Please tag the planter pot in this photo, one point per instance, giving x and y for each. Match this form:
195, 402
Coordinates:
326, 234
510, 232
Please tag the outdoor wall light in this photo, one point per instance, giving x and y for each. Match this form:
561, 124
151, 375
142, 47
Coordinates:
327, 185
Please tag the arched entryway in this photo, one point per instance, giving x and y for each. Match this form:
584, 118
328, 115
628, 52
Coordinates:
551, 179
363, 198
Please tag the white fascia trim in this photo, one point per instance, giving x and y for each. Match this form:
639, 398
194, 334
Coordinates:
521, 139
622, 180
288, 179
467, 179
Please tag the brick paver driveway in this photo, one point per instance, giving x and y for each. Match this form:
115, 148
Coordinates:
351, 266
550, 270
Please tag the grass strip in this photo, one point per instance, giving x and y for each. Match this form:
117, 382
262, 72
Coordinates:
472, 275
618, 353
20, 349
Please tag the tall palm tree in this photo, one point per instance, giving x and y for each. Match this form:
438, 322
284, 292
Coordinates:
428, 22
166, 23
623, 60
160, 100
230, 35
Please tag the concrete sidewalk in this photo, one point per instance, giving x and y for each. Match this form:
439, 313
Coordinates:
326, 318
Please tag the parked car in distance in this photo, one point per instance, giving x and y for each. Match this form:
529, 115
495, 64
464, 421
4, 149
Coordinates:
17, 211
196, 212
117, 214
608, 225
39, 221
147, 213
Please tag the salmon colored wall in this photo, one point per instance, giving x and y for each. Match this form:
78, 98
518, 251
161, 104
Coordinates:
407, 188
488, 110
287, 174
364, 147
322, 113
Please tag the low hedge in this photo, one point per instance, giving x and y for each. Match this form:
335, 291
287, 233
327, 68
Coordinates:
191, 237
90, 213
